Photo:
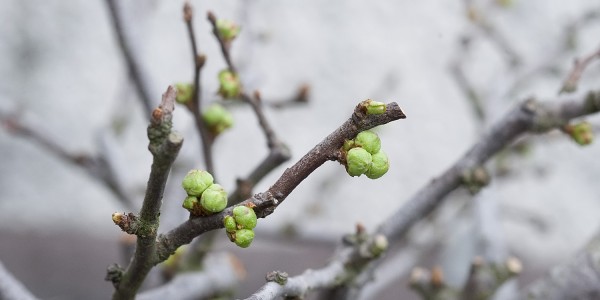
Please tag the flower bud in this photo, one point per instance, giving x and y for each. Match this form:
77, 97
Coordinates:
185, 91
369, 141
582, 133
196, 181
214, 199
190, 202
348, 144
229, 84
227, 29
244, 237
375, 108
217, 118
244, 217
358, 161
379, 166
229, 223
379, 244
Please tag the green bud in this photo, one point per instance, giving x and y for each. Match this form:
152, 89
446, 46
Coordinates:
214, 198
229, 223
368, 140
244, 217
227, 29
375, 108
244, 237
217, 118
379, 166
582, 133
229, 84
379, 245
196, 181
190, 202
348, 144
185, 91
358, 161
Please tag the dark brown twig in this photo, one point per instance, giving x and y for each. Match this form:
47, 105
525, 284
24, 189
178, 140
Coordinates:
195, 106
133, 64
225, 46
579, 65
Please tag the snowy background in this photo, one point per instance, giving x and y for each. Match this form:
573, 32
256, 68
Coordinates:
63, 71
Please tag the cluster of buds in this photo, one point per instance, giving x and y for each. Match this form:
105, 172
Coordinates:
229, 84
364, 156
204, 196
239, 227
217, 118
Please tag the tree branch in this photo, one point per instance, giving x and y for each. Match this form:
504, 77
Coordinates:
579, 65
265, 203
530, 116
97, 167
220, 273
195, 106
11, 288
358, 250
578, 278
164, 146
133, 64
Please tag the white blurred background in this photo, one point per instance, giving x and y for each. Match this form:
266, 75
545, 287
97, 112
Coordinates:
64, 75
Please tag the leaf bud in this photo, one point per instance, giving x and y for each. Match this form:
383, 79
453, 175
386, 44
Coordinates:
190, 202
229, 84
229, 223
358, 161
379, 166
227, 29
244, 237
244, 217
196, 181
368, 140
214, 199
185, 91
217, 118
375, 108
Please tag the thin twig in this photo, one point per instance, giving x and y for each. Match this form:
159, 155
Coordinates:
97, 167
225, 46
579, 65
133, 63
164, 146
195, 106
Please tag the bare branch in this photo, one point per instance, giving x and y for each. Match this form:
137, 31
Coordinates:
97, 167
133, 64
195, 106
164, 146
220, 273
11, 288
265, 203
579, 65
530, 116
578, 278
